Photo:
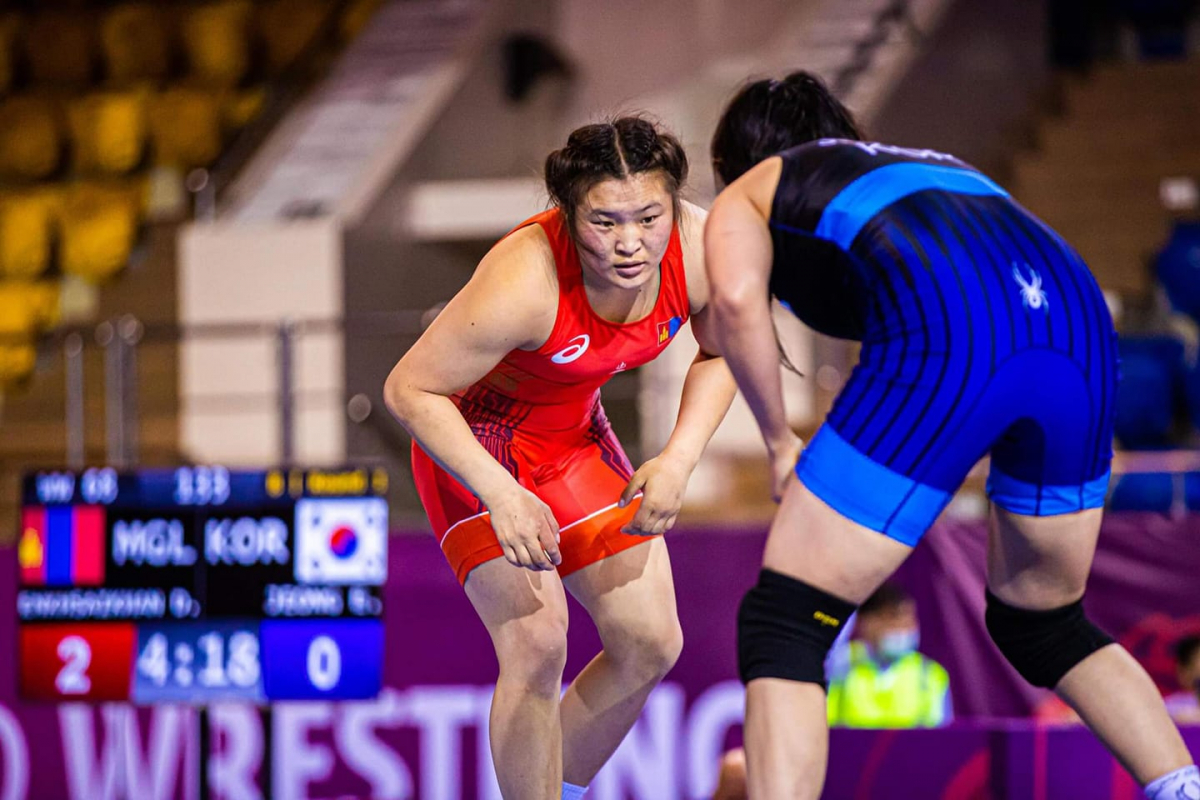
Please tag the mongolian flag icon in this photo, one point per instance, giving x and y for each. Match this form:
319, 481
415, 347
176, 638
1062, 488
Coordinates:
62, 546
668, 329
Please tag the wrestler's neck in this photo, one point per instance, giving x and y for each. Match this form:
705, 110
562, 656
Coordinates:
621, 301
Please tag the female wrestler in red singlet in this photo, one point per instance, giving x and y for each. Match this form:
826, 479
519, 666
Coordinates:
516, 463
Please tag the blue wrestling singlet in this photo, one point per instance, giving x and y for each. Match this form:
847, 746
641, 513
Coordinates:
982, 332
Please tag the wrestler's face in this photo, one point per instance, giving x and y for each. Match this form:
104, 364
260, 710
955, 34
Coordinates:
622, 228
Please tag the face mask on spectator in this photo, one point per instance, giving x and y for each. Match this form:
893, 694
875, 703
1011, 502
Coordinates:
897, 644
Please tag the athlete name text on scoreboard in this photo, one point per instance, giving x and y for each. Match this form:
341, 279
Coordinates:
178, 579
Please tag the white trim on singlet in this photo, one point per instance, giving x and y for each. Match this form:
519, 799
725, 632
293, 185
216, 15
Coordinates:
595, 514
560, 530
460, 522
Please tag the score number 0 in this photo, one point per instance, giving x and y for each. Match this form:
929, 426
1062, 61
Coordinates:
76, 655
324, 663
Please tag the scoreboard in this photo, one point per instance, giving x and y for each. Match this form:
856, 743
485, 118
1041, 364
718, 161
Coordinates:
201, 584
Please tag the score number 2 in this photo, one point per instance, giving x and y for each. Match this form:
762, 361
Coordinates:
85, 661
76, 655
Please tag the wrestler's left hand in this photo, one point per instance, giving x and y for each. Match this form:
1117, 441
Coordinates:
661, 482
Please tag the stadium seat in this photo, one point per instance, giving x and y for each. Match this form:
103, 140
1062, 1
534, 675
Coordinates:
1150, 391
241, 107
287, 27
44, 298
1178, 267
17, 314
98, 227
1191, 490
30, 137
17, 362
356, 16
108, 131
18, 323
137, 43
26, 220
215, 36
1191, 390
60, 47
1150, 491
185, 126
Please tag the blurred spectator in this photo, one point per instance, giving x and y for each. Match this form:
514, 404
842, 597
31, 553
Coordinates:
1184, 705
888, 683
885, 682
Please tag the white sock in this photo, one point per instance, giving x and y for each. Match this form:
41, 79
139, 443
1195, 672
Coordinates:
1182, 784
573, 792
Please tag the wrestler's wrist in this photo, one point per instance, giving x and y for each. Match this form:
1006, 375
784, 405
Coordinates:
494, 491
781, 443
681, 456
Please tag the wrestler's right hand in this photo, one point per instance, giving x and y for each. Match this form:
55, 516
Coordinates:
526, 529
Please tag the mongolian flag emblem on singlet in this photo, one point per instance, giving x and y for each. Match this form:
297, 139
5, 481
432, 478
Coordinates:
668, 329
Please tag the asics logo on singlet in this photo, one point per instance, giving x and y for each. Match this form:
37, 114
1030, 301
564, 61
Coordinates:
875, 148
1032, 293
574, 349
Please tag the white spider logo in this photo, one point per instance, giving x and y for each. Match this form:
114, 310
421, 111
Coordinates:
1032, 294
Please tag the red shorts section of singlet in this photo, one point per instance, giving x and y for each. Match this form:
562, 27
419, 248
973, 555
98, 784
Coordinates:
580, 473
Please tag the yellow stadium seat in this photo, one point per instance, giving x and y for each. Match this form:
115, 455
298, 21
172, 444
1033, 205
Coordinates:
185, 126
108, 131
137, 42
97, 230
215, 37
356, 16
19, 322
30, 137
10, 25
288, 27
242, 107
44, 298
61, 47
26, 227
17, 363
17, 314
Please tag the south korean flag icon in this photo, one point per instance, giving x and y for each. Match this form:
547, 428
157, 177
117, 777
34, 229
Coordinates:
341, 542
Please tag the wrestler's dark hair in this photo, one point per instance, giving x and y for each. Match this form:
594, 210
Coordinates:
615, 149
767, 117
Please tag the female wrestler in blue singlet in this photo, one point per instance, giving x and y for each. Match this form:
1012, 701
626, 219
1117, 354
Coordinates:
982, 332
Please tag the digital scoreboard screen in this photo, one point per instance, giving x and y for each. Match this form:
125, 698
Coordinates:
201, 584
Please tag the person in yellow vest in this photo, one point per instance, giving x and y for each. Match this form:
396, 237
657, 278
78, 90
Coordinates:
885, 681
880, 680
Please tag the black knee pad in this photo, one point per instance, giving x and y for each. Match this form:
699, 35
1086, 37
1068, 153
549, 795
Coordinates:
1043, 645
785, 629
